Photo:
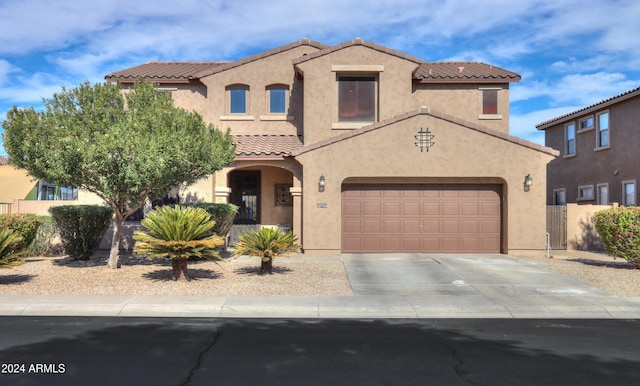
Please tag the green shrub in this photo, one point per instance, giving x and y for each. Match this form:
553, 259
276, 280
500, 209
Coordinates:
42, 245
221, 214
619, 229
179, 233
10, 242
81, 227
266, 243
26, 225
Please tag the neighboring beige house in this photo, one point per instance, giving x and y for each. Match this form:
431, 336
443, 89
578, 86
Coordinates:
599, 161
361, 148
20, 193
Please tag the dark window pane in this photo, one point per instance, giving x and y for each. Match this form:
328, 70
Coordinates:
357, 98
490, 102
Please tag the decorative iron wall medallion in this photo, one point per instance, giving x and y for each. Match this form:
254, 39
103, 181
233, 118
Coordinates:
424, 139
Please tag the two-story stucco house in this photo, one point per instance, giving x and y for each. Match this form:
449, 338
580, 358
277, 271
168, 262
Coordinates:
361, 148
599, 161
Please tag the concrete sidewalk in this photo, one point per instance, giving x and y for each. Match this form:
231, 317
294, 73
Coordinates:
384, 286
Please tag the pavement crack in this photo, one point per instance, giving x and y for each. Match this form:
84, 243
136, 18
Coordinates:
458, 367
199, 359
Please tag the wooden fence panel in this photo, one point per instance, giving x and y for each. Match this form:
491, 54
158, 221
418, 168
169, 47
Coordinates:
557, 226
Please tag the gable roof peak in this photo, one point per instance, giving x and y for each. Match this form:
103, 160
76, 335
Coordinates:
358, 41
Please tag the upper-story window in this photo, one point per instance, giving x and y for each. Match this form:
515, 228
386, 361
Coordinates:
238, 97
603, 129
586, 124
585, 192
489, 102
277, 96
570, 139
559, 197
357, 98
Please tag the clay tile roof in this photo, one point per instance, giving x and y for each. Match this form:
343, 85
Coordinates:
273, 51
357, 42
4, 161
424, 110
275, 146
602, 104
165, 72
456, 72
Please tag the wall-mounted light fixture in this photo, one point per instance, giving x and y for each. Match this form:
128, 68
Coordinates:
321, 182
528, 181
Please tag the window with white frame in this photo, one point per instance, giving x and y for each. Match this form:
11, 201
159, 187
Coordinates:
238, 97
570, 139
629, 193
603, 194
585, 192
586, 124
559, 197
603, 130
357, 98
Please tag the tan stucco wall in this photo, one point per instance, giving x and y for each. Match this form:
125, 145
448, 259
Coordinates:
459, 155
42, 207
581, 231
14, 184
274, 69
465, 101
321, 88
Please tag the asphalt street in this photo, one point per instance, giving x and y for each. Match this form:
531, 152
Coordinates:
74, 350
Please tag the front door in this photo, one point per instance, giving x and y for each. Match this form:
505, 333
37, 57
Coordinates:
245, 193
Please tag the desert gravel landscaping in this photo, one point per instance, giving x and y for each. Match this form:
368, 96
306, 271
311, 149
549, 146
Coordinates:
301, 275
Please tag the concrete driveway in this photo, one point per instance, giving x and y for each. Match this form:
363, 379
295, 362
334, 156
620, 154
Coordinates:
433, 282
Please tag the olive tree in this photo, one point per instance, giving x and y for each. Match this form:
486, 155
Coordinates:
126, 147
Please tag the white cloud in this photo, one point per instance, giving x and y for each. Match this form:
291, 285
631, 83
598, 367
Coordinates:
575, 89
524, 125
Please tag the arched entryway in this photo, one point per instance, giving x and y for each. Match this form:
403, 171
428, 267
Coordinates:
263, 195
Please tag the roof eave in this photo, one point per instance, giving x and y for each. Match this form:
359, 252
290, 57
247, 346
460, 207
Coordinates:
589, 109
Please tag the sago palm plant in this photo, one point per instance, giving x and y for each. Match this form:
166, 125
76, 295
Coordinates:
9, 243
179, 233
266, 243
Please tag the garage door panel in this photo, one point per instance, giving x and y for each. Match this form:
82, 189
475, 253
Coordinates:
431, 209
421, 218
450, 208
352, 209
411, 244
411, 208
392, 226
371, 226
392, 208
471, 226
450, 226
371, 209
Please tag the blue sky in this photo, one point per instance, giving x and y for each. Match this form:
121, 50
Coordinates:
570, 53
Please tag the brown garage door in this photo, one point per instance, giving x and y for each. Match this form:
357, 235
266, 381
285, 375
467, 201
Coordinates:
421, 218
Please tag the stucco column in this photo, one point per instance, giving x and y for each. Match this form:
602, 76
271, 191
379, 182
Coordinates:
220, 189
296, 193
222, 194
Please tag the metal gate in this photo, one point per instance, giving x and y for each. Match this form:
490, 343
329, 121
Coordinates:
557, 226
